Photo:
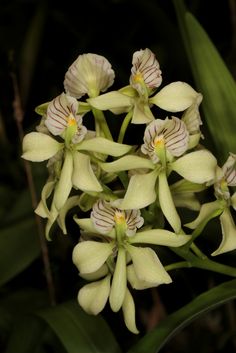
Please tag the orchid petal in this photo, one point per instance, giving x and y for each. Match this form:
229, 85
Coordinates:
175, 97
88, 256
186, 200
93, 296
142, 113
147, 266
159, 237
118, 286
38, 147
198, 167
42, 208
70, 203
83, 176
64, 185
137, 196
128, 309
102, 145
127, 163
94, 276
207, 211
137, 283
233, 200
167, 204
111, 100
89, 74
228, 242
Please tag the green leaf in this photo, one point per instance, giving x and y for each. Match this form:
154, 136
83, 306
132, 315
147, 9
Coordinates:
213, 80
19, 247
157, 338
78, 331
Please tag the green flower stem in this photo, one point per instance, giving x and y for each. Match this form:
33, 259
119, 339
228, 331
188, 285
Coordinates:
124, 126
176, 265
197, 251
101, 124
204, 263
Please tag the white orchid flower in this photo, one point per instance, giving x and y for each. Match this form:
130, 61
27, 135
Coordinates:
225, 178
89, 74
145, 78
116, 254
76, 171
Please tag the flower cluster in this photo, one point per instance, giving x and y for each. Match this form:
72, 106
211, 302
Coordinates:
125, 187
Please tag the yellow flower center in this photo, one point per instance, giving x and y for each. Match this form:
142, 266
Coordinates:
159, 142
138, 78
71, 120
119, 217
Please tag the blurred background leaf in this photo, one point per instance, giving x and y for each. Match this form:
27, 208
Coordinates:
213, 79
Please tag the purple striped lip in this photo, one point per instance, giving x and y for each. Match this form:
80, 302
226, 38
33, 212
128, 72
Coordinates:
170, 132
62, 113
145, 68
105, 216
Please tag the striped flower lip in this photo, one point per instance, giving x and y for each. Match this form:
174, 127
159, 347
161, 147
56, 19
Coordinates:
89, 74
145, 69
62, 114
171, 133
105, 216
229, 170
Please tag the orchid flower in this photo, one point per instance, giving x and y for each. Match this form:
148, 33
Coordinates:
89, 74
225, 178
165, 144
62, 120
145, 78
116, 256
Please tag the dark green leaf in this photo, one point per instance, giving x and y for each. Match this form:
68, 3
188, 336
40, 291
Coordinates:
78, 331
19, 246
155, 340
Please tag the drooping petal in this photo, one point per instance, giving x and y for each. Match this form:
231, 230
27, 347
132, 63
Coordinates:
207, 211
126, 163
145, 68
111, 100
228, 228
175, 97
88, 256
89, 74
147, 266
69, 204
198, 166
93, 296
102, 145
118, 286
159, 237
42, 208
38, 147
137, 196
83, 176
64, 185
167, 204
128, 309
233, 200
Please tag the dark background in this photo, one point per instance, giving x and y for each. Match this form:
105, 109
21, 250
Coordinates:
39, 40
